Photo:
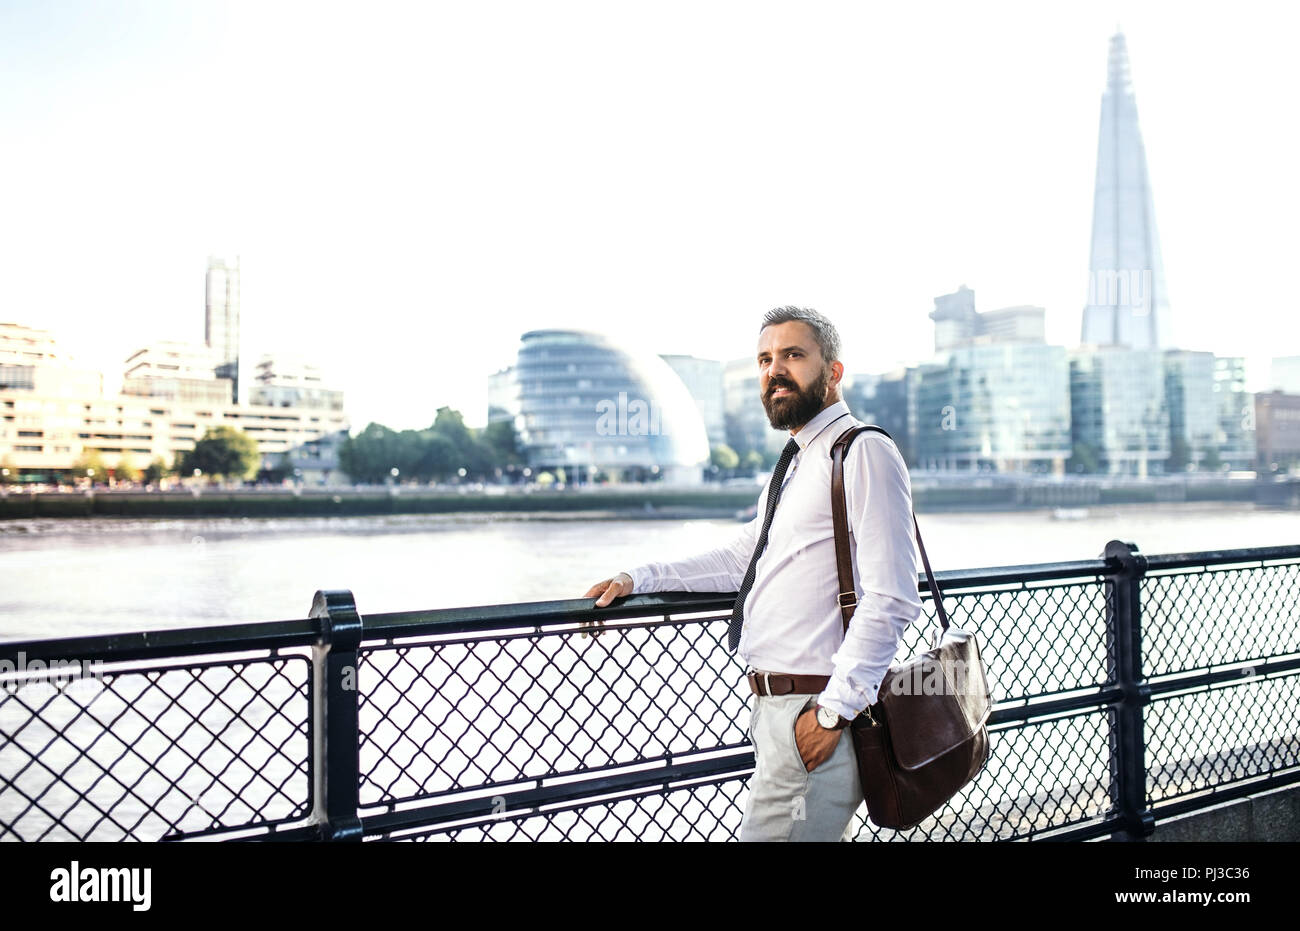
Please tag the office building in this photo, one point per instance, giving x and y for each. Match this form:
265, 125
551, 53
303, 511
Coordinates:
589, 407
1193, 410
703, 378
1236, 436
221, 322
56, 411
176, 371
957, 323
1127, 303
291, 380
1277, 431
747, 426
994, 407
1119, 417
886, 401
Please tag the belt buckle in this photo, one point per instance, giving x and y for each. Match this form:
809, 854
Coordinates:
767, 683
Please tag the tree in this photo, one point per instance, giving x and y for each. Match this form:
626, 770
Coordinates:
753, 461
724, 457
223, 451
1211, 460
451, 424
438, 452
90, 465
502, 441
125, 470
154, 472
368, 456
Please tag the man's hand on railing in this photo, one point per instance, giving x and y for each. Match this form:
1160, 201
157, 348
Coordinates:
605, 591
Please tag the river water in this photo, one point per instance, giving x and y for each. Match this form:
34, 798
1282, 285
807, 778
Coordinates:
62, 578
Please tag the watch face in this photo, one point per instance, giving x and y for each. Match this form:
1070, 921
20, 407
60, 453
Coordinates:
827, 718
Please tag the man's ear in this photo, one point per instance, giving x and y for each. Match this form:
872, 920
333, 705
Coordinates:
837, 374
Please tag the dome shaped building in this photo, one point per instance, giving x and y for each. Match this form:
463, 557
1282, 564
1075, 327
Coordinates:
587, 406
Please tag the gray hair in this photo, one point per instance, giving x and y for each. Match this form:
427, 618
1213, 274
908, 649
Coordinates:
828, 338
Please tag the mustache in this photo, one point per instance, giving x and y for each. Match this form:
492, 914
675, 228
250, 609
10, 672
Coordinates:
780, 383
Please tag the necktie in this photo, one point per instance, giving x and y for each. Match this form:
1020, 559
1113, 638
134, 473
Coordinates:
773, 494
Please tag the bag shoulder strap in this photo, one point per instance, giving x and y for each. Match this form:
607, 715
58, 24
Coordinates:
848, 598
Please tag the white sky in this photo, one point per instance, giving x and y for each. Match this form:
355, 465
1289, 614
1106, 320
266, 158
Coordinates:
412, 185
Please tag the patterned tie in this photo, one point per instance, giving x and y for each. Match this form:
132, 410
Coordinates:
773, 495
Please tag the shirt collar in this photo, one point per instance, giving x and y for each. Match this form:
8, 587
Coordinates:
814, 427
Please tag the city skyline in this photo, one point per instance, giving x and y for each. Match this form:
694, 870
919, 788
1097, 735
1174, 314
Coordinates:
665, 177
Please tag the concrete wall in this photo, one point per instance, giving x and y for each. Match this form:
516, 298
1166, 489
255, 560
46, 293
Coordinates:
1268, 816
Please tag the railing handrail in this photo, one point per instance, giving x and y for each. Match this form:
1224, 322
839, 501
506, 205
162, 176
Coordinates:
275, 635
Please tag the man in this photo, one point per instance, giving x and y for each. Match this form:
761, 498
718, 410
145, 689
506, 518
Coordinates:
809, 678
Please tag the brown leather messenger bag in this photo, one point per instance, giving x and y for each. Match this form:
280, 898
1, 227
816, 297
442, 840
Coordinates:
925, 737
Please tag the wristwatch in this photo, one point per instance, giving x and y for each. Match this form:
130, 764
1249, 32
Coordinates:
830, 720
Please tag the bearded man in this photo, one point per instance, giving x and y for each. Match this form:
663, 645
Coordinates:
808, 677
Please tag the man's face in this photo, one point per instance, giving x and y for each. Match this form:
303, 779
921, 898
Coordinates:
793, 378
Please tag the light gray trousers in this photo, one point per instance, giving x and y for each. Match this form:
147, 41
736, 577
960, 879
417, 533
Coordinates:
786, 802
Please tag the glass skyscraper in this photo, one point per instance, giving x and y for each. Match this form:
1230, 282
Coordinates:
587, 406
221, 322
1127, 301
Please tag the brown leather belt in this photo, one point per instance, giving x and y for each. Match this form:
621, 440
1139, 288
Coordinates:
780, 683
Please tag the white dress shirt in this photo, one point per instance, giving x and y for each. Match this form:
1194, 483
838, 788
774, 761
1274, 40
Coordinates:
792, 620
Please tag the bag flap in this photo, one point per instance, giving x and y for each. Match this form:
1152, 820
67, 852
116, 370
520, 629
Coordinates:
936, 700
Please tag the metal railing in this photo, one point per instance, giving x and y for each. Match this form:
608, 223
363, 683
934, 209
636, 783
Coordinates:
1128, 689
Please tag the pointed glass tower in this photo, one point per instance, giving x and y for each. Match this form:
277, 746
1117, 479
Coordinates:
1127, 305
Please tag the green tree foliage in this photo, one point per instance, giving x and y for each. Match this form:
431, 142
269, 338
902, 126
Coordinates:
724, 457
154, 472
1212, 461
125, 470
434, 454
90, 462
223, 451
753, 460
503, 443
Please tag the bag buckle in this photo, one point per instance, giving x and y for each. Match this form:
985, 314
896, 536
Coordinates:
851, 603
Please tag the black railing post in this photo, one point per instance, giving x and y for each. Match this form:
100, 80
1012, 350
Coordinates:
1128, 773
335, 759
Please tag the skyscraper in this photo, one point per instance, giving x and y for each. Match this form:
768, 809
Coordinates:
1127, 303
221, 322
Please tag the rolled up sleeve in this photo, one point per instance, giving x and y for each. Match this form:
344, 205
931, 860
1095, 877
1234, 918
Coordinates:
879, 497
718, 570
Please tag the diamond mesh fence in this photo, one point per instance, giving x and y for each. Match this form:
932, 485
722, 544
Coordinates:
1217, 616
461, 713
149, 752
637, 729
1215, 737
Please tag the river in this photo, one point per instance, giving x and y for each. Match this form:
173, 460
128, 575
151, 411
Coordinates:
73, 577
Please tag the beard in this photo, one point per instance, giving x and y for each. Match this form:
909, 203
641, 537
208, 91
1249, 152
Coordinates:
791, 411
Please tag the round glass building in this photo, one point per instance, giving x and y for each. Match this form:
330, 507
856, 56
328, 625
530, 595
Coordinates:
588, 406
